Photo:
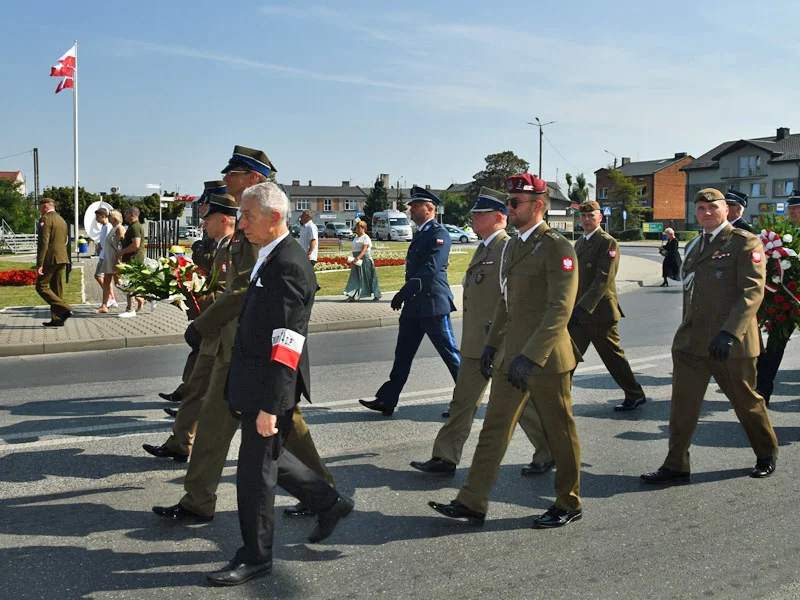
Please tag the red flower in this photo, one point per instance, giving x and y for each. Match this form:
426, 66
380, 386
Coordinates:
768, 326
780, 318
792, 285
796, 312
786, 306
17, 277
778, 299
771, 310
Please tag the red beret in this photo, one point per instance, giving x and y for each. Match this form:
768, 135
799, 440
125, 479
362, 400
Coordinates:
526, 182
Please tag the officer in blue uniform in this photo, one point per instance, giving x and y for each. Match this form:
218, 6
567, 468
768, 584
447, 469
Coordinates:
425, 299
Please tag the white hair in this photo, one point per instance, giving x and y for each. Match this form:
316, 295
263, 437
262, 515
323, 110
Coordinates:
669, 230
269, 197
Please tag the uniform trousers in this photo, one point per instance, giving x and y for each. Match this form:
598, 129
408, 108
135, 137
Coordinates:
193, 392
439, 330
51, 290
770, 361
551, 400
215, 429
188, 368
605, 338
467, 398
736, 378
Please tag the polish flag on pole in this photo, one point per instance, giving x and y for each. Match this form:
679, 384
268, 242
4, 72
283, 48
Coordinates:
66, 69
64, 83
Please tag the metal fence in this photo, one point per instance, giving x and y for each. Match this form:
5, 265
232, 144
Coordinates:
160, 237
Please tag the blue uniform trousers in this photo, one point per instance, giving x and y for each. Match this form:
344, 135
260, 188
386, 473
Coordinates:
439, 330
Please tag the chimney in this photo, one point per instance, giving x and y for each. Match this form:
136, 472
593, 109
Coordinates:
427, 186
680, 155
626, 160
783, 133
345, 184
295, 182
384, 177
309, 183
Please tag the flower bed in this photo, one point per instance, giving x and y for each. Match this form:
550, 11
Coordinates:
780, 309
18, 277
335, 263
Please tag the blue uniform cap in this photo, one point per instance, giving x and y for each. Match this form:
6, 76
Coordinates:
794, 200
733, 196
255, 160
419, 194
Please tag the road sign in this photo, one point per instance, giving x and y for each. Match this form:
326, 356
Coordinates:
653, 227
606, 211
625, 215
359, 214
780, 208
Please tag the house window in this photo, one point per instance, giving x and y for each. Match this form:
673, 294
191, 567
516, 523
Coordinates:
749, 166
784, 188
303, 204
643, 190
349, 223
602, 193
758, 190
327, 204
351, 204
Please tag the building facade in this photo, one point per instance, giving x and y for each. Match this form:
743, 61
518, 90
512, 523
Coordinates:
15, 176
327, 203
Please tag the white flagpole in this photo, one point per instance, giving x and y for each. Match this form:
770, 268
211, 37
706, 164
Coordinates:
75, 137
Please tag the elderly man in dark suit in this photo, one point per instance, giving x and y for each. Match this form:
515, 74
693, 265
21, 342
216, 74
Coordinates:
269, 372
425, 299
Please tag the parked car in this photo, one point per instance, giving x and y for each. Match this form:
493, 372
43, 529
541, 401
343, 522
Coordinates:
336, 230
391, 225
459, 235
294, 229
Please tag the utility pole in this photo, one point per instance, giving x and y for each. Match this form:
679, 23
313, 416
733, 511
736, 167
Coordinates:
539, 124
615, 158
36, 176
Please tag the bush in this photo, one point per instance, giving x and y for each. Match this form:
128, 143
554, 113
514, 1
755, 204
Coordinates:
653, 235
685, 236
629, 235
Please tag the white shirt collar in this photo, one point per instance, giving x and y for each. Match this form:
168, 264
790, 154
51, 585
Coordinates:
488, 240
716, 231
264, 252
588, 235
425, 224
524, 236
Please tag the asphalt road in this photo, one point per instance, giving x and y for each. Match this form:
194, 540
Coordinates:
76, 488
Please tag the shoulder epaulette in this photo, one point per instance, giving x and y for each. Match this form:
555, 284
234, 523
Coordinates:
741, 232
553, 234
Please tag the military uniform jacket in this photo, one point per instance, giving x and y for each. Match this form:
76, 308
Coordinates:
51, 240
540, 284
598, 261
222, 315
426, 292
740, 223
481, 293
218, 265
203, 252
266, 373
723, 288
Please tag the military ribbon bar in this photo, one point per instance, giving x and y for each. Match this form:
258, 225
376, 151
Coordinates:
287, 347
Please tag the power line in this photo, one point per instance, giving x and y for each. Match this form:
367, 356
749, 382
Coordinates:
17, 154
559, 153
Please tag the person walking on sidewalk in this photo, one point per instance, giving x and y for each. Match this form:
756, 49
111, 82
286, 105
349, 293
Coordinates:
539, 285
481, 293
101, 215
671, 265
108, 267
363, 280
132, 251
597, 312
426, 301
51, 260
724, 272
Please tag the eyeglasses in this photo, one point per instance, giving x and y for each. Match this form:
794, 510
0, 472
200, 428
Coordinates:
514, 202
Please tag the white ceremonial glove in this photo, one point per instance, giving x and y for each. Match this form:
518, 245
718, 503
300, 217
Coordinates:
359, 262
350, 259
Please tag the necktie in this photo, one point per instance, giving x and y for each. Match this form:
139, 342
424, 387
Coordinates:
706, 241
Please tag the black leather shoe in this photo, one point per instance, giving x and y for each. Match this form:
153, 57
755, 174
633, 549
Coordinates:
327, 521
236, 573
538, 468
665, 475
381, 407
173, 397
456, 510
53, 323
630, 404
163, 452
556, 517
435, 465
445, 414
299, 510
178, 513
764, 467
65, 316
171, 412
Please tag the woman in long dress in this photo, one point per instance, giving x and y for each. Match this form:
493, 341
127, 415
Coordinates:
363, 279
671, 267
110, 248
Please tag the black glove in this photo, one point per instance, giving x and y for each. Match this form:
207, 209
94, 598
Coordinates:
519, 370
487, 356
192, 336
577, 313
721, 346
397, 301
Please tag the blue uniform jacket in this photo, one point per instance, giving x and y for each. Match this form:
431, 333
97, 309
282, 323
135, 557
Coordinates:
427, 291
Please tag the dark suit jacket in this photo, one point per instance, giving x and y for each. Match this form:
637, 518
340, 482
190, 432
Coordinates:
427, 291
280, 296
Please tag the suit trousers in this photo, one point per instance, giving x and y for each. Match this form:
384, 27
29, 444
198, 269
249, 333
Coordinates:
409, 336
467, 398
605, 338
194, 390
552, 404
769, 362
50, 288
215, 429
736, 377
263, 464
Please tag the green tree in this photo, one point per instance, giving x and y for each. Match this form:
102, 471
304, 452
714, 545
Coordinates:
19, 212
624, 195
401, 205
148, 207
65, 201
377, 201
456, 209
577, 191
499, 167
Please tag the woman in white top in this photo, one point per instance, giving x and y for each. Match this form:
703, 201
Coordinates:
363, 279
109, 265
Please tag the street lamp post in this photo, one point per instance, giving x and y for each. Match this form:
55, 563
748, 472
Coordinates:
539, 124
615, 157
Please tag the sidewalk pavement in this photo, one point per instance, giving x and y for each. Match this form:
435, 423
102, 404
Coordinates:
22, 333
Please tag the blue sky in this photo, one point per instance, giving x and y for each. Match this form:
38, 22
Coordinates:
420, 90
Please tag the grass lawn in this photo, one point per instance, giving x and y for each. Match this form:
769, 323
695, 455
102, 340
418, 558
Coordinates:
25, 295
392, 278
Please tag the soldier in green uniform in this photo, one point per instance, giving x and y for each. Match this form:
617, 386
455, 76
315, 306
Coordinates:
481, 293
597, 311
723, 276
540, 283
216, 425
51, 260
220, 222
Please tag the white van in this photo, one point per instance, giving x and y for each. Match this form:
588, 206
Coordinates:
391, 225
